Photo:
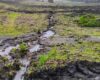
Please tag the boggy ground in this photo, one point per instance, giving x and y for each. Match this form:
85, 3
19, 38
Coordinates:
79, 70
71, 53
15, 24
77, 48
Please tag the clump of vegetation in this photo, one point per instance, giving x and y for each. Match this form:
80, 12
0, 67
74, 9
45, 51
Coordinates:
20, 52
8, 68
53, 57
23, 47
89, 20
51, 60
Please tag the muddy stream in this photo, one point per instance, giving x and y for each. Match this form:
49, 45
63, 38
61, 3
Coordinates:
5, 51
73, 71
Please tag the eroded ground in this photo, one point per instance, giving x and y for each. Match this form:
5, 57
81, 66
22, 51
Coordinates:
53, 47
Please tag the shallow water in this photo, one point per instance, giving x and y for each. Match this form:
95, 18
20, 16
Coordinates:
7, 50
21, 72
47, 34
35, 48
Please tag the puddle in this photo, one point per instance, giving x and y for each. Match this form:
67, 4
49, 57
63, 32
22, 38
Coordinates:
21, 72
35, 48
7, 50
47, 34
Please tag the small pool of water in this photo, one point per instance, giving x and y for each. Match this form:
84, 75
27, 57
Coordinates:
47, 34
35, 48
21, 72
7, 50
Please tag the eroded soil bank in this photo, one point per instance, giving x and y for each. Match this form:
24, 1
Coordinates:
79, 70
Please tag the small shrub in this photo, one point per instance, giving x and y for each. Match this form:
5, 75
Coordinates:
23, 49
88, 21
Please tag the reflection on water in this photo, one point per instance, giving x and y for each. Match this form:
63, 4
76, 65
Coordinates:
35, 48
21, 72
47, 34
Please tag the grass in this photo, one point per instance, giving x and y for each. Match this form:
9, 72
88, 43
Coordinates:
14, 24
20, 52
52, 56
82, 51
51, 59
60, 55
67, 26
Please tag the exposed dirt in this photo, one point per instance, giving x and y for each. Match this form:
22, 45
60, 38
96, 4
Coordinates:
79, 70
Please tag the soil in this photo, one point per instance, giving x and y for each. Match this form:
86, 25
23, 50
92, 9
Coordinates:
79, 70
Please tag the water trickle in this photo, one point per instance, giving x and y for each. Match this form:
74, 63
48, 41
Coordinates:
35, 48
21, 72
7, 51
47, 34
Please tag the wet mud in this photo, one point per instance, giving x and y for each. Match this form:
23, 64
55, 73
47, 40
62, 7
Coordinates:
79, 70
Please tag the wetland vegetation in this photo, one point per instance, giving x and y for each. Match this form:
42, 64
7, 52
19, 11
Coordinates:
48, 43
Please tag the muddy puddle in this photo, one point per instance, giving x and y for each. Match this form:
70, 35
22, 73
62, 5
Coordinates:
47, 34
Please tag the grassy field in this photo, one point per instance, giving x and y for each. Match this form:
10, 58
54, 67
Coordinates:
67, 26
14, 24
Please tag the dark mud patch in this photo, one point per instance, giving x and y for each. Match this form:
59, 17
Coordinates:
80, 70
19, 39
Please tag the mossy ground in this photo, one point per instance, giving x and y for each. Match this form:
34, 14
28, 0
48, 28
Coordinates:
15, 23
60, 55
67, 26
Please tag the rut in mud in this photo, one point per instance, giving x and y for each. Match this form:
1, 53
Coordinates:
79, 70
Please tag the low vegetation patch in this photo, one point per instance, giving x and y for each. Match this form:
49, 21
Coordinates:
20, 52
54, 58
67, 26
15, 24
8, 68
89, 20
